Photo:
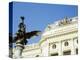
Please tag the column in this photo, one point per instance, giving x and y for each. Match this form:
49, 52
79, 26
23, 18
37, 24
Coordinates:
60, 48
72, 47
18, 52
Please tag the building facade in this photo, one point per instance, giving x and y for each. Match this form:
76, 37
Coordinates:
59, 38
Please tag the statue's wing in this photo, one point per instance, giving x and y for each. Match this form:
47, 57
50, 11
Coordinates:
32, 33
12, 39
27, 36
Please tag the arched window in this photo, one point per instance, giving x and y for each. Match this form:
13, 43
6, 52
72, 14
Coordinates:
76, 38
54, 46
66, 43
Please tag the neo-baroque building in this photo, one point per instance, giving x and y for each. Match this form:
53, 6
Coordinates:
59, 38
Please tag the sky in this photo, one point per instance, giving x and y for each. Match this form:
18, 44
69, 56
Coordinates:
39, 15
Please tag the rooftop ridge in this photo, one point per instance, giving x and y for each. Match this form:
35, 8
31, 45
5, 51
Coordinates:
62, 22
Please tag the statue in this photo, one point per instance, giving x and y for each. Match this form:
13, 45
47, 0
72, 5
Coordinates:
65, 21
20, 38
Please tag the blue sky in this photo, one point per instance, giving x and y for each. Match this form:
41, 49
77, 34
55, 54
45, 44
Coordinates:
38, 16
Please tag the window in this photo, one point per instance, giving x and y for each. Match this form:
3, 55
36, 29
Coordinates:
76, 38
66, 43
70, 19
76, 51
54, 46
67, 52
77, 41
37, 55
56, 54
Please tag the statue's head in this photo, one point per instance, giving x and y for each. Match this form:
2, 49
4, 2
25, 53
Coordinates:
22, 17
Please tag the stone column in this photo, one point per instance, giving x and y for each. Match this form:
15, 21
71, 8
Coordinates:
60, 48
19, 49
72, 47
44, 47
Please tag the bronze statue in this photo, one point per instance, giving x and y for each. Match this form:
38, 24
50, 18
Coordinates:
21, 36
